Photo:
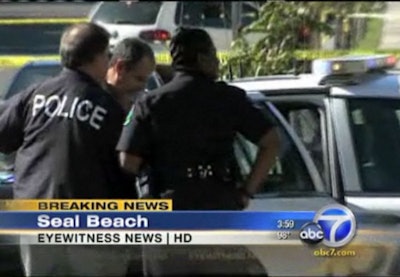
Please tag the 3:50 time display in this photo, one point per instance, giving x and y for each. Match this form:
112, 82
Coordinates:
285, 224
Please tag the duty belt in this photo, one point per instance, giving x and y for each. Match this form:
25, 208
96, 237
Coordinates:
172, 177
167, 174
207, 171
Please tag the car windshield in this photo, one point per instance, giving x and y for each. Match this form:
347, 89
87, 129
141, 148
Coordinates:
128, 12
44, 38
31, 75
375, 125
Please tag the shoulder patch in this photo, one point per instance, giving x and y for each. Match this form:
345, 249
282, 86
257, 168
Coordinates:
130, 116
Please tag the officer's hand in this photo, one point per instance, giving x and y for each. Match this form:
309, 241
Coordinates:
243, 198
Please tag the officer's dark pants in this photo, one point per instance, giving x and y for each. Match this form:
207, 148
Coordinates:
202, 259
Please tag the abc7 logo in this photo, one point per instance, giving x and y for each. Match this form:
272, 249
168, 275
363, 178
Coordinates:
334, 225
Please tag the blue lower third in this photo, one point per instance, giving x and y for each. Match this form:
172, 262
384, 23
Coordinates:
175, 220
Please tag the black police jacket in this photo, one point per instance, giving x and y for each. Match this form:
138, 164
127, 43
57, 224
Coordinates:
64, 131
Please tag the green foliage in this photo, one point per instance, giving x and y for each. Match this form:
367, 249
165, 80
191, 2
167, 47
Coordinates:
373, 34
277, 29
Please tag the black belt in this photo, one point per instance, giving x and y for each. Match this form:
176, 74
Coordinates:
207, 171
198, 172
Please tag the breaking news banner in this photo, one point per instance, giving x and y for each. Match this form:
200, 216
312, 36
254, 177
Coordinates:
142, 222
86, 205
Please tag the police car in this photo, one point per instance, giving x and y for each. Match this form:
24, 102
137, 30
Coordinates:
345, 117
340, 127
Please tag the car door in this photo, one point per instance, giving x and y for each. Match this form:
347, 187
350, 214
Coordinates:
295, 182
307, 115
367, 138
326, 127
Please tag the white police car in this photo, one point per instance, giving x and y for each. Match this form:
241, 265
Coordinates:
341, 131
346, 114
337, 125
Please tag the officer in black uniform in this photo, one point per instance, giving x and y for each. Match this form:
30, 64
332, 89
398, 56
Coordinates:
66, 127
65, 131
184, 131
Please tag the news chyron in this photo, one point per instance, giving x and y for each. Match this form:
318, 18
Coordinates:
162, 205
333, 226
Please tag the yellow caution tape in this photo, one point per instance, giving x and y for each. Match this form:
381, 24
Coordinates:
165, 58
20, 60
20, 21
17, 61
317, 54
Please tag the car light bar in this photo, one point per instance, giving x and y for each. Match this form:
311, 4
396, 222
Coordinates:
352, 64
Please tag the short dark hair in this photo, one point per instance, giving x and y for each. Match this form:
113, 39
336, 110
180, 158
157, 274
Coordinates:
131, 51
187, 43
81, 43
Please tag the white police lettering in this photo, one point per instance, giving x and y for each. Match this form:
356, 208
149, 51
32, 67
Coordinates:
83, 110
79, 109
98, 114
38, 103
60, 111
73, 107
50, 105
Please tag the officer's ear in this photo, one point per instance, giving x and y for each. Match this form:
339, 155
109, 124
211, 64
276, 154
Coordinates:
120, 66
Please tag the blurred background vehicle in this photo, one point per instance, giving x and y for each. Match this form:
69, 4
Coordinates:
44, 9
44, 37
155, 21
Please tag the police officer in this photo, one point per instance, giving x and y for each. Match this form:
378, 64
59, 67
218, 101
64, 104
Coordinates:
185, 131
65, 131
131, 65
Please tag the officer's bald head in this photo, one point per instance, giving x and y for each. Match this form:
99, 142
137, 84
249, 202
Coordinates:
81, 43
193, 48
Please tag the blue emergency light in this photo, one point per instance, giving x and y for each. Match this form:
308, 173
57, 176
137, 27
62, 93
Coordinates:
352, 64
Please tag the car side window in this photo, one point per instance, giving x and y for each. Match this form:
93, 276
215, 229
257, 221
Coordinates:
288, 175
306, 122
375, 128
306, 119
202, 14
212, 14
249, 13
